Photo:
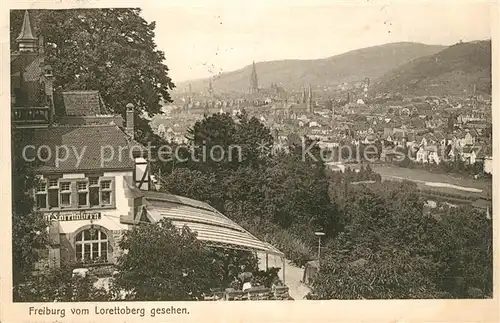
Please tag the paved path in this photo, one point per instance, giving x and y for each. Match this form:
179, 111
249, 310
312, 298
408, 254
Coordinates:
293, 278
293, 275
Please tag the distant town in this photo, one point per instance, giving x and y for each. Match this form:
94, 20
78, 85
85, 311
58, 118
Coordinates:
433, 128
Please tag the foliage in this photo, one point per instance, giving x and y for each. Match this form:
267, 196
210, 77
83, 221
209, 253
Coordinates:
29, 234
58, 285
389, 248
454, 166
288, 192
194, 184
266, 278
293, 246
182, 272
464, 238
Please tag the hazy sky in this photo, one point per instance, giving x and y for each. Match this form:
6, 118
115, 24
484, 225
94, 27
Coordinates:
200, 41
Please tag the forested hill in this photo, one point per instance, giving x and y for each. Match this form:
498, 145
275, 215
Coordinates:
356, 65
453, 71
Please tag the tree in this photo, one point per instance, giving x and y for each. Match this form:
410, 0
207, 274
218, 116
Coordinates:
195, 184
222, 143
381, 252
389, 249
464, 238
58, 285
162, 263
29, 229
109, 50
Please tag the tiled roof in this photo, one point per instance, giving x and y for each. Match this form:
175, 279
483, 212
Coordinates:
90, 142
81, 103
33, 71
33, 65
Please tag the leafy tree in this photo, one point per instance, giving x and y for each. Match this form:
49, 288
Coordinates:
58, 285
261, 189
29, 229
221, 143
195, 184
381, 251
389, 249
464, 239
110, 50
181, 270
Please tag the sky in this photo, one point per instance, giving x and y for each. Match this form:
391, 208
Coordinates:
201, 41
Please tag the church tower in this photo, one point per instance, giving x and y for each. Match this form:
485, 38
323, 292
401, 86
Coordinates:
310, 103
304, 95
254, 82
210, 88
26, 41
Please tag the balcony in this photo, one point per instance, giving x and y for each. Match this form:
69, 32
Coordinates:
30, 117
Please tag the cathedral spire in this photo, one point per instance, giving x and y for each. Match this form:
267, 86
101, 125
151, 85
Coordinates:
309, 100
26, 41
254, 83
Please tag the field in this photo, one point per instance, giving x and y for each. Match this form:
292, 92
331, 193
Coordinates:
445, 183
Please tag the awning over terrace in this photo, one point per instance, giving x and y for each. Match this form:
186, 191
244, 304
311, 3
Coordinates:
211, 226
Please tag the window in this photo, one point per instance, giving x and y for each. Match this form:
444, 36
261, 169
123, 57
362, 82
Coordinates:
106, 192
52, 183
41, 186
53, 193
65, 193
82, 193
41, 194
88, 192
41, 201
91, 246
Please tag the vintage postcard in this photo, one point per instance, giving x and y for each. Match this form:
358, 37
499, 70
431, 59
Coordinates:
269, 161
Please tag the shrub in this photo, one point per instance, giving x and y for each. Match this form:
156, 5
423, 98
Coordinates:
294, 248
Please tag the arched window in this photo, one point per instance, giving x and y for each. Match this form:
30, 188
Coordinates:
91, 245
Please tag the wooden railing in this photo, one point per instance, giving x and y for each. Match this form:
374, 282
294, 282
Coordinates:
30, 116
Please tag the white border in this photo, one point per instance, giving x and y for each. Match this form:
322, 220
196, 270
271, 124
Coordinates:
271, 311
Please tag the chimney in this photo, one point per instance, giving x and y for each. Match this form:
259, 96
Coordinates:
129, 128
41, 45
49, 91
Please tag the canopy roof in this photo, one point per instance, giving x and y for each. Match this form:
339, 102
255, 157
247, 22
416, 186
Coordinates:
211, 226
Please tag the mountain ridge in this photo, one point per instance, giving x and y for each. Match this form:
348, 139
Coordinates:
455, 70
355, 65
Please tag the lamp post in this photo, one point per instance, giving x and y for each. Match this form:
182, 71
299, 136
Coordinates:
319, 234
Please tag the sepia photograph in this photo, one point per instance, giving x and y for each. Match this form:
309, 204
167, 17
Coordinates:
209, 153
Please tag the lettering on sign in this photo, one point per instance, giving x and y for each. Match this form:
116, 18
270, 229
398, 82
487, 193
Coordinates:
72, 216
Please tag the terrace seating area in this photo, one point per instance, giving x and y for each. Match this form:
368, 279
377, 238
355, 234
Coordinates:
258, 293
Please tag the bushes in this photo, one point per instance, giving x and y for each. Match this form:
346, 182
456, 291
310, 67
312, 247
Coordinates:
58, 285
295, 249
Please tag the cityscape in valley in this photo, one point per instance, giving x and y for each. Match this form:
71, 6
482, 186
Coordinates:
364, 175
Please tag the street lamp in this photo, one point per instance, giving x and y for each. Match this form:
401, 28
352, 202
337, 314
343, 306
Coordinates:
319, 234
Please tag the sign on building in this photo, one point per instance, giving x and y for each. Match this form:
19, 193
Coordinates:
72, 216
